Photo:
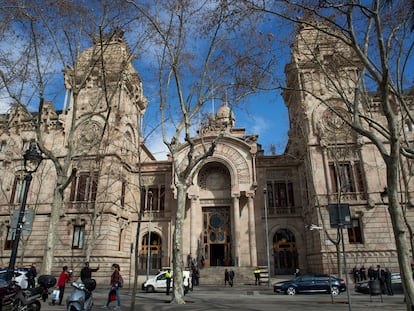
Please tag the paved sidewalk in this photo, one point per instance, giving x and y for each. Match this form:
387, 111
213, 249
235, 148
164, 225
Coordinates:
243, 297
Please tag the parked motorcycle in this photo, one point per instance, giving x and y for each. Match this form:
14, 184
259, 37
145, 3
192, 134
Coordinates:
80, 299
14, 298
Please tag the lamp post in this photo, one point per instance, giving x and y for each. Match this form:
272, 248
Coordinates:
149, 234
267, 237
32, 158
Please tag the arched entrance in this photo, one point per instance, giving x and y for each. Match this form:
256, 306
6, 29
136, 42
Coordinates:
155, 252
215, 184
285, 254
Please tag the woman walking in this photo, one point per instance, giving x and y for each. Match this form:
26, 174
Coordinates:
114, 287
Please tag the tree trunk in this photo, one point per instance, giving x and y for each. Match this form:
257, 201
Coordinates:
49, 251
178, 262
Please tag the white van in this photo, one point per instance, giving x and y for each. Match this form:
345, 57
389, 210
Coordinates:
159, 282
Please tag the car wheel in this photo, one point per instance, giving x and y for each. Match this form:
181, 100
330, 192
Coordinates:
334, 291
150, 289
291, 291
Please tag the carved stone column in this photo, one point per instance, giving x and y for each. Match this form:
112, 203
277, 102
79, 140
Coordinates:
252, 230
236, 229
194, 226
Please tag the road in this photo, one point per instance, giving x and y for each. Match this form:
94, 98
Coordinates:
244, 298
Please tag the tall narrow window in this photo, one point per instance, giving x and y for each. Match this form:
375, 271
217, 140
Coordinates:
3, 146
84, 188
355, 232
123, 190
78, 237
158, 199
280, 194
17, 191
10, 238
346, 178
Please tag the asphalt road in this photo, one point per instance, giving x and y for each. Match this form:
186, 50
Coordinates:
243, 298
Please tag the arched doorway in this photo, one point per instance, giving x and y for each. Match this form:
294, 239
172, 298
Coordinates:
285, 254
215, 186
155, 252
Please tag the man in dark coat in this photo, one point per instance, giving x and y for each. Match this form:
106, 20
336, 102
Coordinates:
86, 272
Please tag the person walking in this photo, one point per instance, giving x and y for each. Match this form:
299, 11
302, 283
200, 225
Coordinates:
226, 277
86, 272
168, 280
380, 276
388, 284
31, 276
64, 277
362, 273
257, 275
114, 287
231, 277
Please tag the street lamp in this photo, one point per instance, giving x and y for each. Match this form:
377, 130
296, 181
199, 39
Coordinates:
267, 237
149, 233
32, 158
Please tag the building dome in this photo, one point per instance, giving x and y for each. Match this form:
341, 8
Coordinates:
225, 116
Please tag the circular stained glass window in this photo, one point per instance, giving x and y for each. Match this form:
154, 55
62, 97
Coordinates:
216, 221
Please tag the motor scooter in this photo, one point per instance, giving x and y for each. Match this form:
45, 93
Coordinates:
14, 298
80, 299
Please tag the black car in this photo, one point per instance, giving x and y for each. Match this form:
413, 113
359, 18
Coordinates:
397, 288
311, 283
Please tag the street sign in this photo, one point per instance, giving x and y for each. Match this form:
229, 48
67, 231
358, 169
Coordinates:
27, 221
340, 215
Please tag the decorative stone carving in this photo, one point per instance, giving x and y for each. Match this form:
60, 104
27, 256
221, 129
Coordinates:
89, 133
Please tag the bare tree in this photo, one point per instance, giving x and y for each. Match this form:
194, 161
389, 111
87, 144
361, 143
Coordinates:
374, 44
197, 56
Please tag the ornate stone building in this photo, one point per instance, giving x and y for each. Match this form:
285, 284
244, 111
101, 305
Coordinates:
238, 195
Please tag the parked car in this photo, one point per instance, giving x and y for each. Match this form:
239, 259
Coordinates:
159, 282
20, 276
311, 283
396, 284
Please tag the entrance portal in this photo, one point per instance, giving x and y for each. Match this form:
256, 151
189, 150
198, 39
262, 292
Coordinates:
216, 254
216, 236
285, 254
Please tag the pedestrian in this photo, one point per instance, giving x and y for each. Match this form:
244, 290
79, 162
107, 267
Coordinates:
371, 273
168, 280
86, 272
388, 284
195, 275
380, 276
226, 277
31, 276
355, 273
115, 282
297, 272
362, 273
64, 277
231, 277
257, 275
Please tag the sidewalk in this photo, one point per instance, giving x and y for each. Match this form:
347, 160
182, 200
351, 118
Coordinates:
242, 297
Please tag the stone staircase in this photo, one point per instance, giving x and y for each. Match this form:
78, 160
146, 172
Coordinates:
243, 275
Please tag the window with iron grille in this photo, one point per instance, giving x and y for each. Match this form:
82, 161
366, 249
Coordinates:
84, 187
280, 194
158, 198
346, 177
17, 191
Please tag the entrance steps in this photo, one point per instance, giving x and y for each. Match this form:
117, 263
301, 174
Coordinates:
243, 275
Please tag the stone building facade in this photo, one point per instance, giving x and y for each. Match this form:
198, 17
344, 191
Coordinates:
241, 201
